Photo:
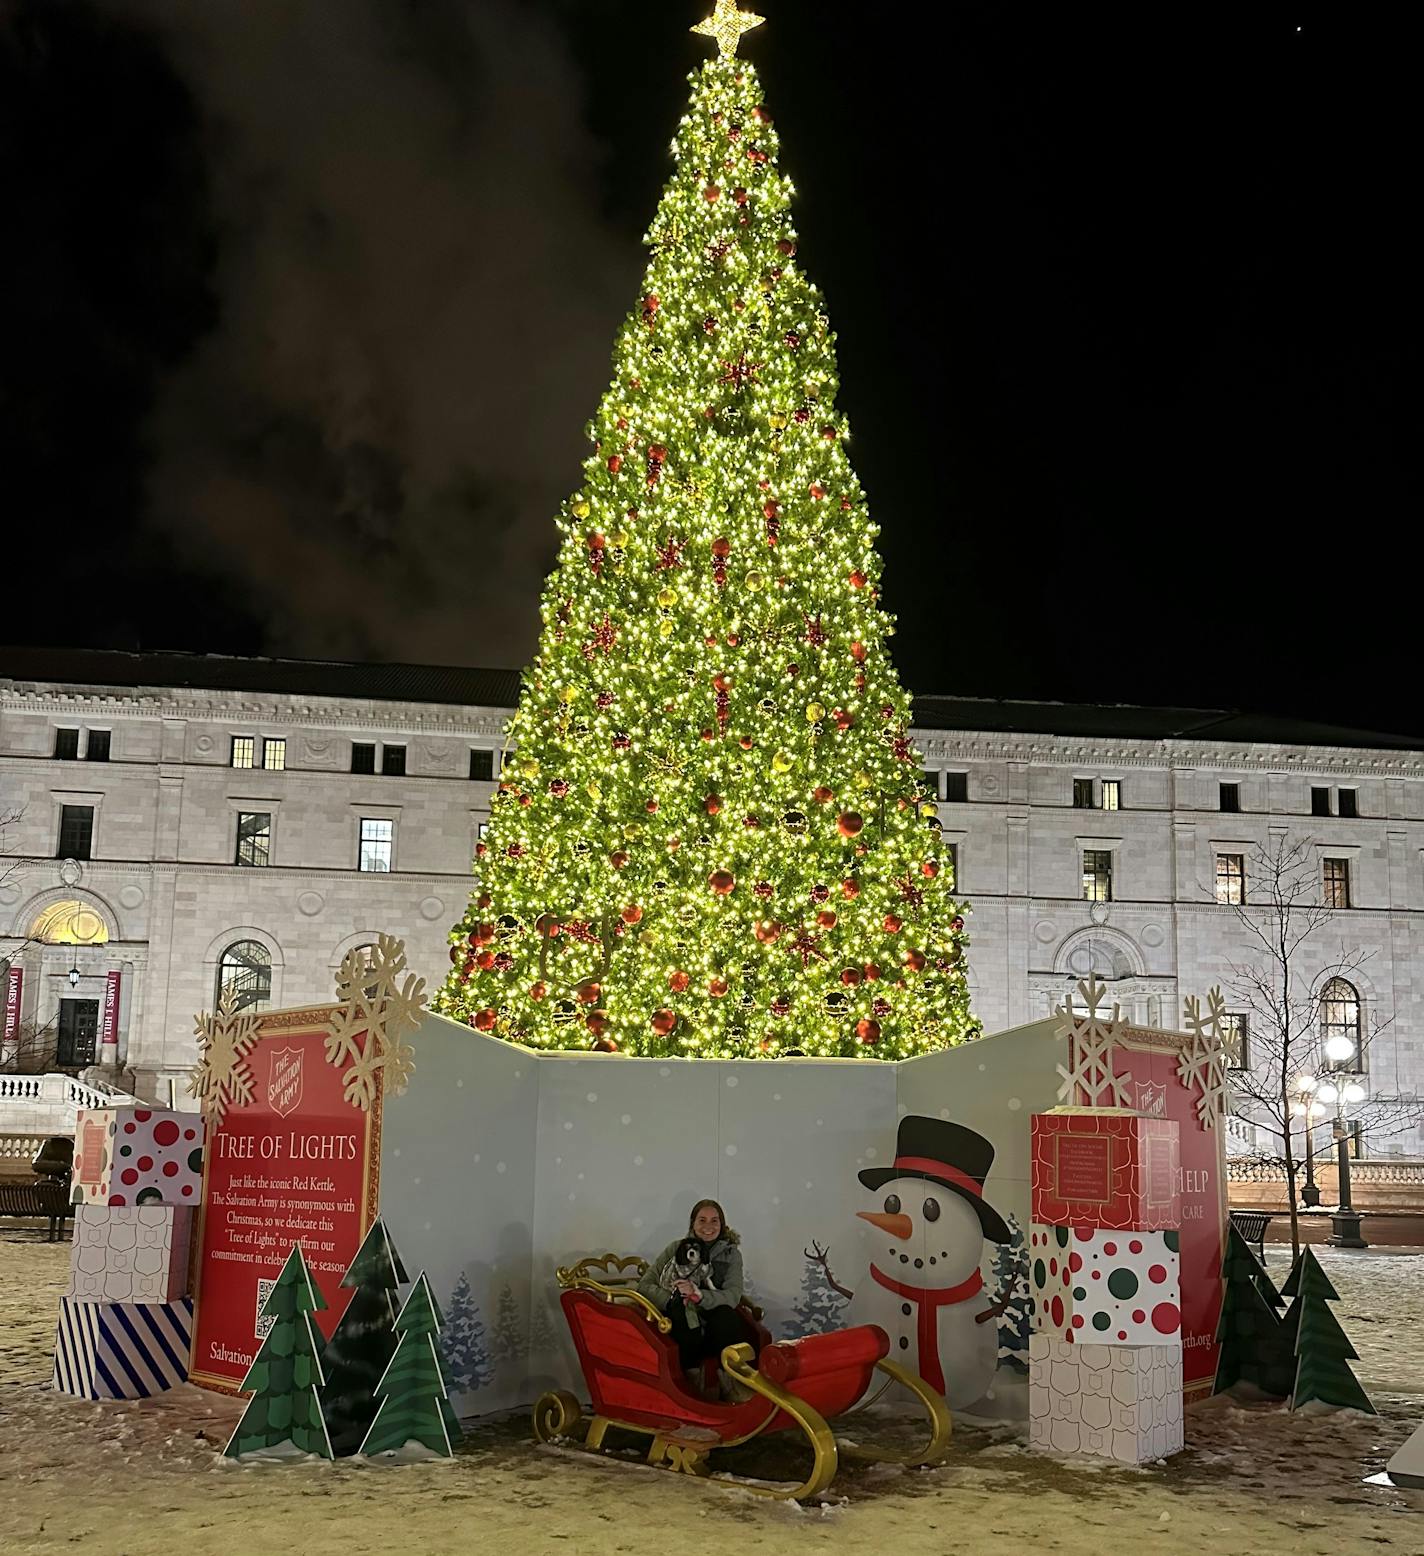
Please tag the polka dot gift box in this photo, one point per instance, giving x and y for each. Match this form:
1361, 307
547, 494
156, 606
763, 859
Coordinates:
137, 1156
1101, 1287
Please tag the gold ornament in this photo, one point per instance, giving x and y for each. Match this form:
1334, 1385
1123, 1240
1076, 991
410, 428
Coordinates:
581, 508
593, 791
782, 762
755, 582
665, 629
667, 598
727, 24
814, 713
568, 694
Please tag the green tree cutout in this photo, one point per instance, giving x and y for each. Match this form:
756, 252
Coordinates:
1322, 1349
363, 1342
713, 837
1254, 1343
286, 1373
414, 1389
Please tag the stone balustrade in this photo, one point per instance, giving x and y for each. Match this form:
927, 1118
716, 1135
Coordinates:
47, 1104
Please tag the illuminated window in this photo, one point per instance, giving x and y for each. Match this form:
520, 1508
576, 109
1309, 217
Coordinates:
1337, 883
377, 838
1112, 794
1340, 1019
245, 972
1236, 1037
1231, 878
244, 749
274, 755
1097, 875
69, 923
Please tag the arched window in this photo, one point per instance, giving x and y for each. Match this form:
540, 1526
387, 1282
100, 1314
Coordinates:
245, 971
1340, 1026
69, 923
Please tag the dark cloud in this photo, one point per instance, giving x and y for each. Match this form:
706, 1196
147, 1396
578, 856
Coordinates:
416, 300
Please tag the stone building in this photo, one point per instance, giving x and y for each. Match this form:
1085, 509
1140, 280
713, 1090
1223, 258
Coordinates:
186, 822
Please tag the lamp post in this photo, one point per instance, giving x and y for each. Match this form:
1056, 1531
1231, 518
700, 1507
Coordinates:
1345, 1219
1305, 1109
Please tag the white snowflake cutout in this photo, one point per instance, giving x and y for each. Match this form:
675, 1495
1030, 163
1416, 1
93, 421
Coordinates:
1092, 1042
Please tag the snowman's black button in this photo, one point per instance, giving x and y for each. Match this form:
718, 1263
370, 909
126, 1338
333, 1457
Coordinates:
904, 1342
906, 1309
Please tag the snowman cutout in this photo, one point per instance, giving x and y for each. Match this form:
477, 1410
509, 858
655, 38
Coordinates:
927, 1292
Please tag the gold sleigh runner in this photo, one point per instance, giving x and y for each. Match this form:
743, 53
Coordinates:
630, 1365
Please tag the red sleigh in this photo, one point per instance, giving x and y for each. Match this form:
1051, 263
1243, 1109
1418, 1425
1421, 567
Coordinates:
630, 1365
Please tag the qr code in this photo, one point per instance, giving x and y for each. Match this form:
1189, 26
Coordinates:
263, 1326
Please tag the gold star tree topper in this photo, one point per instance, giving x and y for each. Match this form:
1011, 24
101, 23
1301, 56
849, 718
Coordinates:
727, 24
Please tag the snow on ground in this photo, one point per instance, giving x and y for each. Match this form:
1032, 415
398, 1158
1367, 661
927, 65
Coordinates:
144, 1478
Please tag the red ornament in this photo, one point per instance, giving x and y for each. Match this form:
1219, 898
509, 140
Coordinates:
857, 652
763, 889
718, 987
915, 960
857, 579
632, 914
483, 900
537, 991
822, 795
826, 918
829, 434
615, 463
663, 1022
785, 246
843, 720
485, 1020
485, 960
587, 992
871, 971
850, 889
850, 976
771, 509
597, 1022
768, 931
892, 924
713, 804
678, 982
793, 670
650, 304
651, 807
792, 339
618, 859
739, 194
867, 1031
711, 194
708, 734
721, 546
929, 869
721, 881
820, 892
606, 1045
746, 742
850, 823
956, 924
817, 491
657, 453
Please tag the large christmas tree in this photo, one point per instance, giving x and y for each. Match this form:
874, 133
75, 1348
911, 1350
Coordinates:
712, 837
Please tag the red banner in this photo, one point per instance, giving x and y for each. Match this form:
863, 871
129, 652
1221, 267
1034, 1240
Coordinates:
296, 1164
109, 1016
1149, 1058
14, 988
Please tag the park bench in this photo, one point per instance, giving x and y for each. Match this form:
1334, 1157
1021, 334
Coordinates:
1252, 1226
39, 1197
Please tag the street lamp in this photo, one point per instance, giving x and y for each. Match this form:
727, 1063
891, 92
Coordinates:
1305, 1110
75, 975
1344, 1218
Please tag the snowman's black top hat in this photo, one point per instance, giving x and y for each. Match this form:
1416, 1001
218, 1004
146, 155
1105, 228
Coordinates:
947, 1154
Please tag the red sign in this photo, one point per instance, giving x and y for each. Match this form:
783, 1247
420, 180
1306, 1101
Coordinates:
296, 1164
14, 986
109, 1017
1150, 1060
1083, 1167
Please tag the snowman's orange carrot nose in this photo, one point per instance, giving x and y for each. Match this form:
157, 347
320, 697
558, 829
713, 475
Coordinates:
897, 1226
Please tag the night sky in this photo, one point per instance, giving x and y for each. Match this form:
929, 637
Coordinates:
304, 305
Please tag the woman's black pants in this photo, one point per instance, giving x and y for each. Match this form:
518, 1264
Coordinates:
716, 1329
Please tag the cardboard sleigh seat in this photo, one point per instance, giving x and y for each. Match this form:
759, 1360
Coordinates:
631, 1368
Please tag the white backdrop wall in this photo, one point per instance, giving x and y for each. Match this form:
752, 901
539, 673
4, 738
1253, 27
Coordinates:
500, 1165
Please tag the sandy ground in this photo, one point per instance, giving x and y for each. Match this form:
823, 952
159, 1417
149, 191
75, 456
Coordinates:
145, 1477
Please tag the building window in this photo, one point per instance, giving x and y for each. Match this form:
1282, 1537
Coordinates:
1082, 794
1319, 801
245, 974
483, 829
951, 854
376, 840
1097, 875
1112, 794
956, 788
78, 1028
1357, 1139
1337, 883
1231, 878
363, 757
76, 832
1340, 1025
1235, 1036
254, 837
1230, 796
66, 745
393, 761
274, 755
244, 750
1348, 800
96, 747
482, 764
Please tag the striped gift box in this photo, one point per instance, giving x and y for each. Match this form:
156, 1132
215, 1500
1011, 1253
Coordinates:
121, 1350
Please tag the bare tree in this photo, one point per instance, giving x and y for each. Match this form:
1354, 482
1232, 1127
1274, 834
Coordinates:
1288, 926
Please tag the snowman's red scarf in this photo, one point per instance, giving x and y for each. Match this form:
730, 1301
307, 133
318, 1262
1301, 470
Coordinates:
928, 1301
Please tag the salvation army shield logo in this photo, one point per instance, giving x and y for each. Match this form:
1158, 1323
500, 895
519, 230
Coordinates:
284, 1081
1151, 1098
